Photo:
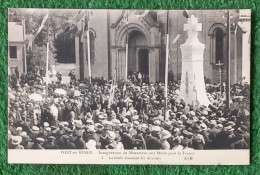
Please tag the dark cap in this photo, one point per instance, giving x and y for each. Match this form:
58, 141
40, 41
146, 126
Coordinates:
59, 132
27, 138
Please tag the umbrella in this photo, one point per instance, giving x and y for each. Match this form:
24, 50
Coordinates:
60, 92
64, 86
73, 92
36, 97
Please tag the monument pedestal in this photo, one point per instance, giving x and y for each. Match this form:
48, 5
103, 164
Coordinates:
192, 78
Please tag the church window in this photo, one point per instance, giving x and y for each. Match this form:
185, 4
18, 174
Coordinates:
13, 52
219, 45
217, 34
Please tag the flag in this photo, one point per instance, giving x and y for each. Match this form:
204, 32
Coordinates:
124, 87
112, 90
112, 93
31, 37
166, 67
83, 25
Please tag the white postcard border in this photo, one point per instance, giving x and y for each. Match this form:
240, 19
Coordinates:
137, 157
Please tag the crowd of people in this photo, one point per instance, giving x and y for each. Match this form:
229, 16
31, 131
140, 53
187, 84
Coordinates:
122, 115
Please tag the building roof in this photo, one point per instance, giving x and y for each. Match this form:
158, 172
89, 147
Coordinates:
15, 32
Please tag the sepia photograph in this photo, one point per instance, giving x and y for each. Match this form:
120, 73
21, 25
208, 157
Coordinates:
89, 86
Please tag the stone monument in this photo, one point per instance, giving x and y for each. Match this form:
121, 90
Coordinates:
192, 77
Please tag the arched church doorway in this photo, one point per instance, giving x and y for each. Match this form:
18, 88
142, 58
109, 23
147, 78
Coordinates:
143, 59
139, 34
138, 53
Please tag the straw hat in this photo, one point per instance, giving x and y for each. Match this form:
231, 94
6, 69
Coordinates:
156, 128
91, 144
39, 139
203, 126
16, 140
19, 129
35, 128
165, 134
111, 135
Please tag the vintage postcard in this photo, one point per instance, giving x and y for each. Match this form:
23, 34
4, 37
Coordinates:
168, 87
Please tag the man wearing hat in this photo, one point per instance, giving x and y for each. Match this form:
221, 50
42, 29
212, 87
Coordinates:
99, 130
240, 142
67, 143
175, 135
246, 135
213, 132
188, 136
59, 139
34, 132
197, 139
176, 145
139, 139
205, 134
225, 138
19, 130
45, 125
185, 144
45, 130
167, 125
46, 115
60, 127
38, 143
165, 135
27, 144
153, 138
15, 142
50, 143
90, 133
111, 143
100, 118
106, 127
79, 142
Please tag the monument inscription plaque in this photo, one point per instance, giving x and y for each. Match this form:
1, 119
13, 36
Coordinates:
192, 62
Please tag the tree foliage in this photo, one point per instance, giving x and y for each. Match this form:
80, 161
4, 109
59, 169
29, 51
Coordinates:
65, 46
61, 34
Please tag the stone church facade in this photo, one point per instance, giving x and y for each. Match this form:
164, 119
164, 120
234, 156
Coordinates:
146, 36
